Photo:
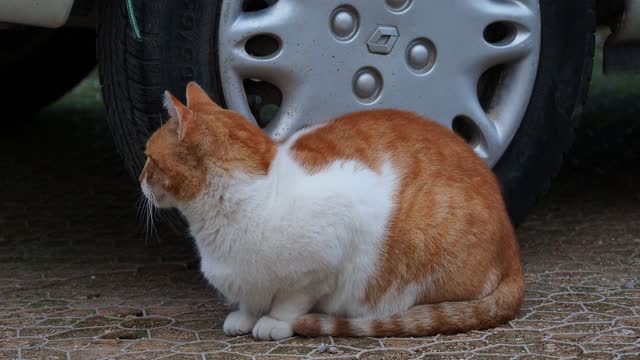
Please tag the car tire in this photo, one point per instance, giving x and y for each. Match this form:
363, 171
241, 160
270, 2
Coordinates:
547, 130
179, 45
41, 65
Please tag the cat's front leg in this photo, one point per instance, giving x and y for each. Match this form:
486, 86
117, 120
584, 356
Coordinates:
286, 308
239, 322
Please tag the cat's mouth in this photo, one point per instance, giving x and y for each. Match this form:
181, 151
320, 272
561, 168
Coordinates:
156, 198
160, 198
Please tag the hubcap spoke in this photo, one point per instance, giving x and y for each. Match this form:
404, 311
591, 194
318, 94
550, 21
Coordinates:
489, 138
239, 26
524, 13
278, 69
499, 32
487, 55
460, 103
284, 67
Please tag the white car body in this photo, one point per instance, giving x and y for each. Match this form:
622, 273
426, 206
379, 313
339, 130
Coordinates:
44, 13
55, 13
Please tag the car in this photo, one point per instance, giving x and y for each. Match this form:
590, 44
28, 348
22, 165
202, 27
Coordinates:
509, 76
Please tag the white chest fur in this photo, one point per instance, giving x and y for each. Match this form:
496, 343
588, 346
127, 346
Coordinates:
294, 231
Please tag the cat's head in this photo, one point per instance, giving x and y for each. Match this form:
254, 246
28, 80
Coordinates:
199, 143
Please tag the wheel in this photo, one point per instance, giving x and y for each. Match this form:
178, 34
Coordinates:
508, 76
44, 64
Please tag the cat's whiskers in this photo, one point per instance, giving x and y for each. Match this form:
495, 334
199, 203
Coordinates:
151, 208
147, 209
140, 212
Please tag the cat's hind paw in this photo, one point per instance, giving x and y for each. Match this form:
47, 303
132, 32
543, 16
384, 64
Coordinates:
238, 323
269, 328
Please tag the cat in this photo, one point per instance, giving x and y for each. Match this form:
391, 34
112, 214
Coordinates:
378, 223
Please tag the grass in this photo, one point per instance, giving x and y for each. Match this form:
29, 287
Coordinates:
86, 96
610, 85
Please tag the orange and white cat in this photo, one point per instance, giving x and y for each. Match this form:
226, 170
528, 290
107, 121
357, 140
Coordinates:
378, 223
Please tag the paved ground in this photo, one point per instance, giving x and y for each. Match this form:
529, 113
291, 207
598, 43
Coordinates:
79, 280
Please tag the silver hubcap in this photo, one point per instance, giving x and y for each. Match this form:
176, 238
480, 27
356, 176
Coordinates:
468, 64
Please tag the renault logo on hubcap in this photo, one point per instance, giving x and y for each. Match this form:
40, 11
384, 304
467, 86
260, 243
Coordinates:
383, 40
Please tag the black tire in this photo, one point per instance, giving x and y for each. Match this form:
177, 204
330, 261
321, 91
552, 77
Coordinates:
38, 66
547, 131
179, 45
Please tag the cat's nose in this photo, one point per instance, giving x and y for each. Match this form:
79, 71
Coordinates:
143, 175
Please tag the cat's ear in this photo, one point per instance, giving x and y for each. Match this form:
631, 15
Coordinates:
198, 100
178, 110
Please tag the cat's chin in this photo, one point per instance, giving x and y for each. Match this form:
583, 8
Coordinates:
163, 201
160, 198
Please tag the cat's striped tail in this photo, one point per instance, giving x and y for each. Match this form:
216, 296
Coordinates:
424, 320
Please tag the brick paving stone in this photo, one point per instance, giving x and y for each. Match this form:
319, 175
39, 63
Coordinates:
515, 337
508, 350
167, 311
173, 334
126, 334
341, 352
69, 344
147, 355
81, 279
8, 333
301, 341
387, 355
59, 322
292, 350
92, 354
200, 347
447, 357
42, 331
216, 334
196, 324
9, 354
555, 349
630, 321
253, 349
146, 323
227, 356
358, 343
406, 343
96, 321
149, 345
82, 333
43, 354
21, 342
489, 357
454, 346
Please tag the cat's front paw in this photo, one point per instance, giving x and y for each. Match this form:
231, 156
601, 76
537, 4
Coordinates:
238, 323
269, 328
